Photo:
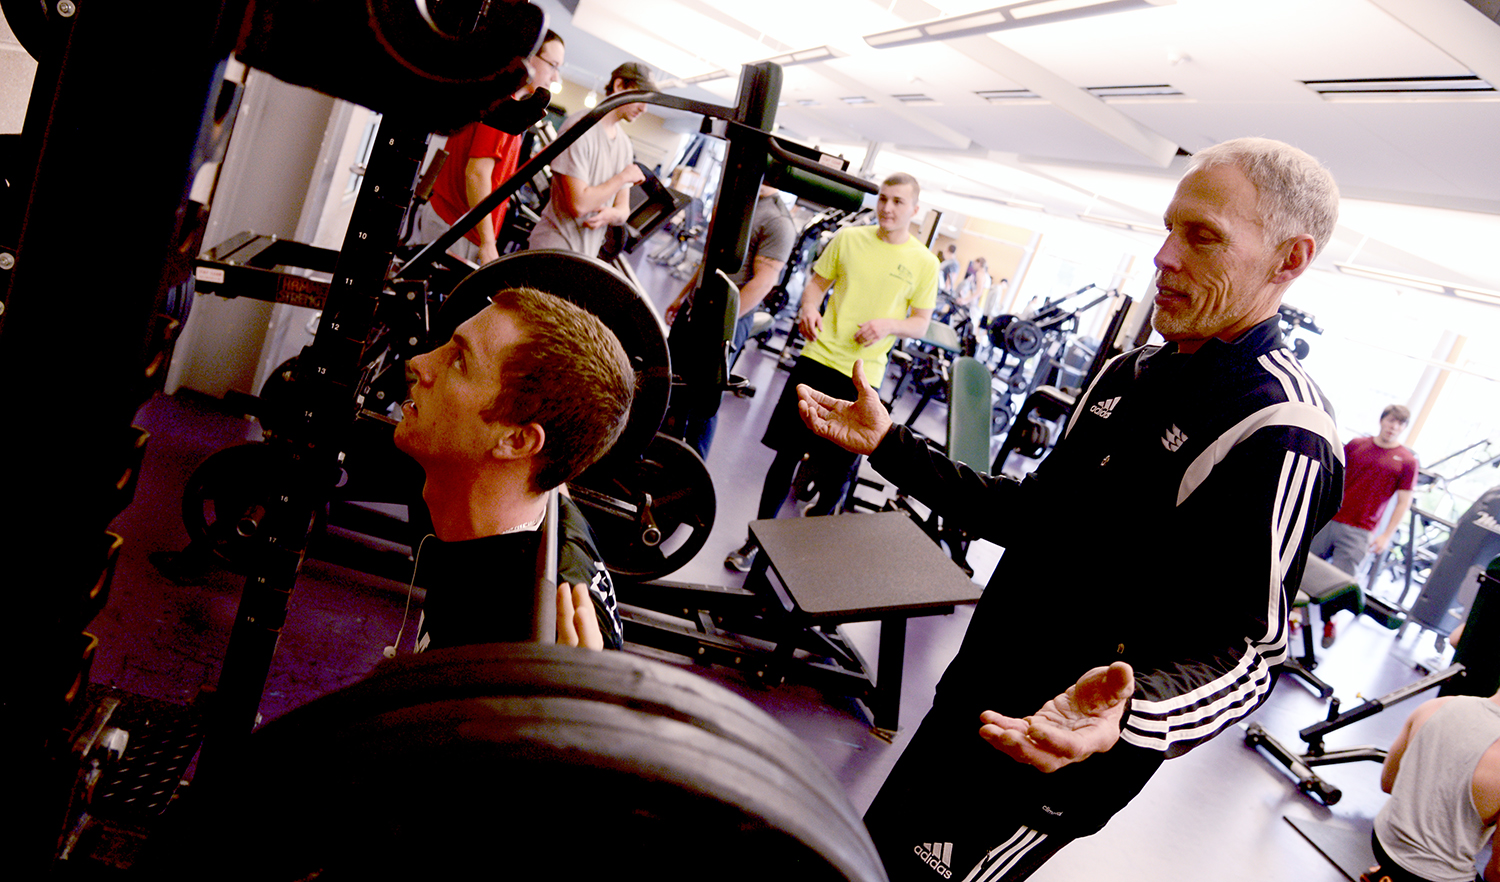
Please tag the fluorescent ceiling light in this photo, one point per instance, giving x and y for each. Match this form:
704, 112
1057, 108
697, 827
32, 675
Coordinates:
1376, 275
1467, 97
1435, 286
1047, 7
807, 56
1025, 13
1154, 229
994, 18
1479, 294
790, 59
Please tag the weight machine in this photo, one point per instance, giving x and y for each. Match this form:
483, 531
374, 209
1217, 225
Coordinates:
1475, 671
1302, 765
431, 67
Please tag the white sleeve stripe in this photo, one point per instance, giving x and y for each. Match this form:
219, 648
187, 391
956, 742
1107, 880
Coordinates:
1292, 366
1290, 413
1292, 538
1289, 382
1296, 481
1252, 685
1295, 383
1289, 475
1285, 507
1286, 501
1186, 704
1275, 647
1191, 714
1157, 734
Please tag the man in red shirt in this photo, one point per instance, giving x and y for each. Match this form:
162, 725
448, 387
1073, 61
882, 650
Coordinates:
1376, 467
481, 158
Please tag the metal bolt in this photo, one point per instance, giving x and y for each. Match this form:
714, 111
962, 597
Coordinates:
7, 260
66, 8
411, 295
411, 341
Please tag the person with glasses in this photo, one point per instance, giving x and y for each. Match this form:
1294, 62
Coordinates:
480, 159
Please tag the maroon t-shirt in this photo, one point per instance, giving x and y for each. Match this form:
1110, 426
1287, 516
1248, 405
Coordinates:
474, 141
1372, 475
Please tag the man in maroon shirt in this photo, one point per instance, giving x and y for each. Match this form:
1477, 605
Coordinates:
1376, 467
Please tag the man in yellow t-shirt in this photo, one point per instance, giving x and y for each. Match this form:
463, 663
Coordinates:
884, 286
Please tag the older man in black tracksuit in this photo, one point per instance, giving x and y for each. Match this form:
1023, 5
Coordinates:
1142, 599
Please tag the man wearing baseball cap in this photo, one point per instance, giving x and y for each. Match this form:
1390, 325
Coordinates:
591, 179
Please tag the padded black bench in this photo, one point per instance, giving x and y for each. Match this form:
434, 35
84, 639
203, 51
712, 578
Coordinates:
859, 568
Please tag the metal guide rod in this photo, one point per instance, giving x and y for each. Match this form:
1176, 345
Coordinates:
544, 611
1313, 734
534, 166
314, 435
526, 172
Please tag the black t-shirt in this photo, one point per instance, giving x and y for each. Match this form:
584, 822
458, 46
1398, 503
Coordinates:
482, 590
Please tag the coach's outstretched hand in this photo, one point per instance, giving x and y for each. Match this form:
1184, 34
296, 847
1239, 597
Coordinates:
856, 426
1072, 727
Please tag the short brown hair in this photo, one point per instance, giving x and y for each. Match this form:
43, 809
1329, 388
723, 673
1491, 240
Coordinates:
570, 375
899, 179
1399, 411
634, 75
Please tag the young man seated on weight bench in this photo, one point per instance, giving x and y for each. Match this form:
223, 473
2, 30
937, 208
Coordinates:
1443, 774
524, 397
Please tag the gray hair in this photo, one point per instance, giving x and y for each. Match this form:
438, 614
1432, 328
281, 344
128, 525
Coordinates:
1297, 194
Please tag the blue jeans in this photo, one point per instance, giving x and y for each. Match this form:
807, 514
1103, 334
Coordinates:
699, 419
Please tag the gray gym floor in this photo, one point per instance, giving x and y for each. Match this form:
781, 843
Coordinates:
1221, 813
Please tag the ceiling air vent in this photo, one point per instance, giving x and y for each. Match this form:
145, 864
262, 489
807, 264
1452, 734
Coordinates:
857, 100
1154, 92
1009, 96
1404, 88
917, 98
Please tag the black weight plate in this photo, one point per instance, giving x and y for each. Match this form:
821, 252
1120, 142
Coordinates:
593, 285
1000, 418
1022, 338
227, 488
682, 505
529, 759
278, 396
430, 39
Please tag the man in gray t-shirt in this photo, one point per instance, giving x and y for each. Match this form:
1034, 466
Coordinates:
591, 179
772, 237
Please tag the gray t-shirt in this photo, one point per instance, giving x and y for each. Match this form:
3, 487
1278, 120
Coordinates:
594, 158
1430, 826
772, 236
